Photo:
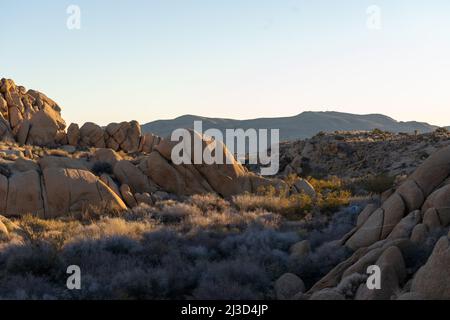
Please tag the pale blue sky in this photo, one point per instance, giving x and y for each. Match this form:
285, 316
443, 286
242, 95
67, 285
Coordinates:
148, 60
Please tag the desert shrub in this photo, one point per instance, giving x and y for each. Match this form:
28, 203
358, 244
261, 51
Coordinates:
199, 256
292, 207
29, 287
110, 227
209, 202
349, 285
333, 201
231, 220
377, 131
100, 168
291, 179
442, 130
322, 230
38, 259
271, 191
378, 184
416, 255
318, 263
268, 247
174, 212
331, 184
95, 212
204, 248
138, 283
56, 232
326, 253
232, 280
330, 197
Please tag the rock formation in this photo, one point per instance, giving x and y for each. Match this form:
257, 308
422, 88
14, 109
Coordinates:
425, 189
29, 116
129, 167
49, 172
384, 235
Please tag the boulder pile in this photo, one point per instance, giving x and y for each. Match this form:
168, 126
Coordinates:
29, 116
59, 182
393, 236
49, 172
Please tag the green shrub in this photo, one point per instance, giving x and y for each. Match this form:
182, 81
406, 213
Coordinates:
378, 184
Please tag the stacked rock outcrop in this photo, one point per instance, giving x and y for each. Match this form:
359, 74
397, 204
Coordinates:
124, 136
29, 116
387, 236
121, 168
426, 190
50, 185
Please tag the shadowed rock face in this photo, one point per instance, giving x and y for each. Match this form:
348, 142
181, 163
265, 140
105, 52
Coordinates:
71, 190
415, 193
432, 280
54, 193
407, 220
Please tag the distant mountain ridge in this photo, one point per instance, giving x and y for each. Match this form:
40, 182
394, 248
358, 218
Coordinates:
302, 126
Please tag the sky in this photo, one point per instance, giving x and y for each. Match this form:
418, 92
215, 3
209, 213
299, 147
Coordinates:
159, 59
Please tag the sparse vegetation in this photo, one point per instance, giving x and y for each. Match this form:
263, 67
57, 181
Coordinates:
295, 206
331, 184
332, 201
378, 184
377, 131
442, 130
202, 248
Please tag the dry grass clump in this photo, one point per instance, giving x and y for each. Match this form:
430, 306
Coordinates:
57, 153
60, 232
171, 212
332, 201
232, 220
331, 196
331, 184
294, 206
209, 202
89, 213
57, 232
